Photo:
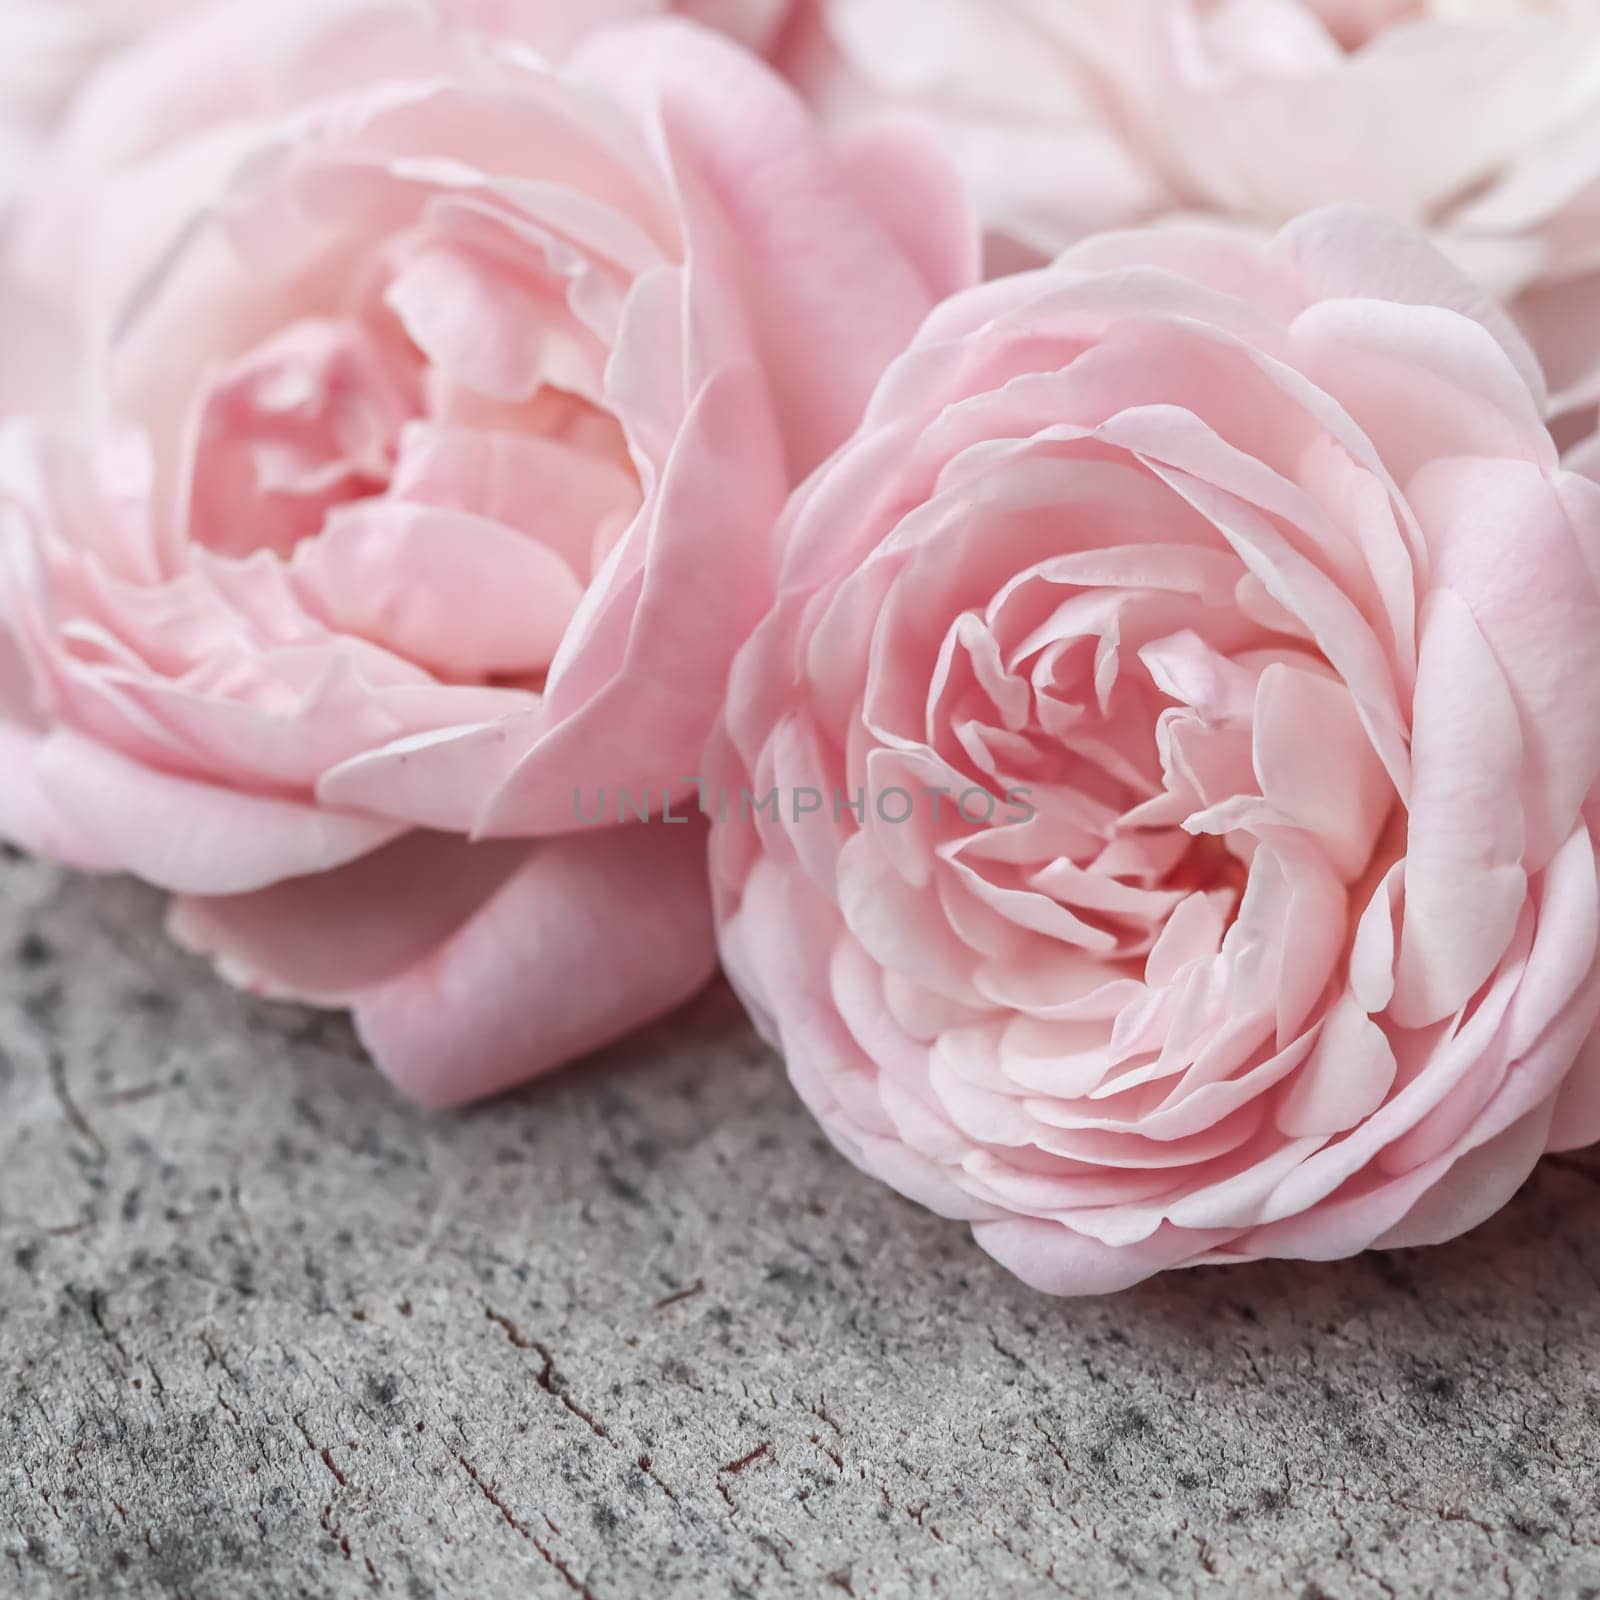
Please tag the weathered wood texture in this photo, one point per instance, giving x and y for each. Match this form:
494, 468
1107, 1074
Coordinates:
639, 1333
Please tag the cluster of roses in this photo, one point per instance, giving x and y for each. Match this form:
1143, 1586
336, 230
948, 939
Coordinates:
1179, 412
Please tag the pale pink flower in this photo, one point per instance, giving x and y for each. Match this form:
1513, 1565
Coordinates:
434, 410
1234, 598
1477, 120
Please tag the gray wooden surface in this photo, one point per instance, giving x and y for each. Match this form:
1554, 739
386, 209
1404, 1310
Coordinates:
638, 1333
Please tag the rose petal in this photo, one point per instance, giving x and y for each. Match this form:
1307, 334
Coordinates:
1465, 883
325, 938
189, 837
596, 934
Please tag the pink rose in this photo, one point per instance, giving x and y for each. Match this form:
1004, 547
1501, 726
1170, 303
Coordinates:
1181, 709
1478, 120
431, 437
50, 48
125, 99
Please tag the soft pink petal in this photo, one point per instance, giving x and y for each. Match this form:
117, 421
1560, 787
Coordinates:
595, 935
29, 818
1344, 1081
1465, 884
573, 500
1056, 1260
916, 195
189, 837
325, 938
832, 298
1577, 1118
1522, 549
641, 676
463, 595
1476, 1186
1318, 767
1346, 252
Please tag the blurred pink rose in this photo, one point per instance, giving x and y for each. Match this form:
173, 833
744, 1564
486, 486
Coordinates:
50, 48
1478, 120
1210, 642
434, 413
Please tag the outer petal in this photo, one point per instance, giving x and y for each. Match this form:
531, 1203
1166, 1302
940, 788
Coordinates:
831, 295
191, 837
1476, 1186
595, 935
1348, 253
1577, 1116
1464, 880
29, 818
326, 938
638, 706
1056, 1260
1522, 549
907, 187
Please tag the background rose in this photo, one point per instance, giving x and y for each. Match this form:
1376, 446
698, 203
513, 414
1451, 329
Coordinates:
1476, 119
86, 74
435, 412
1255, 566
50, 48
